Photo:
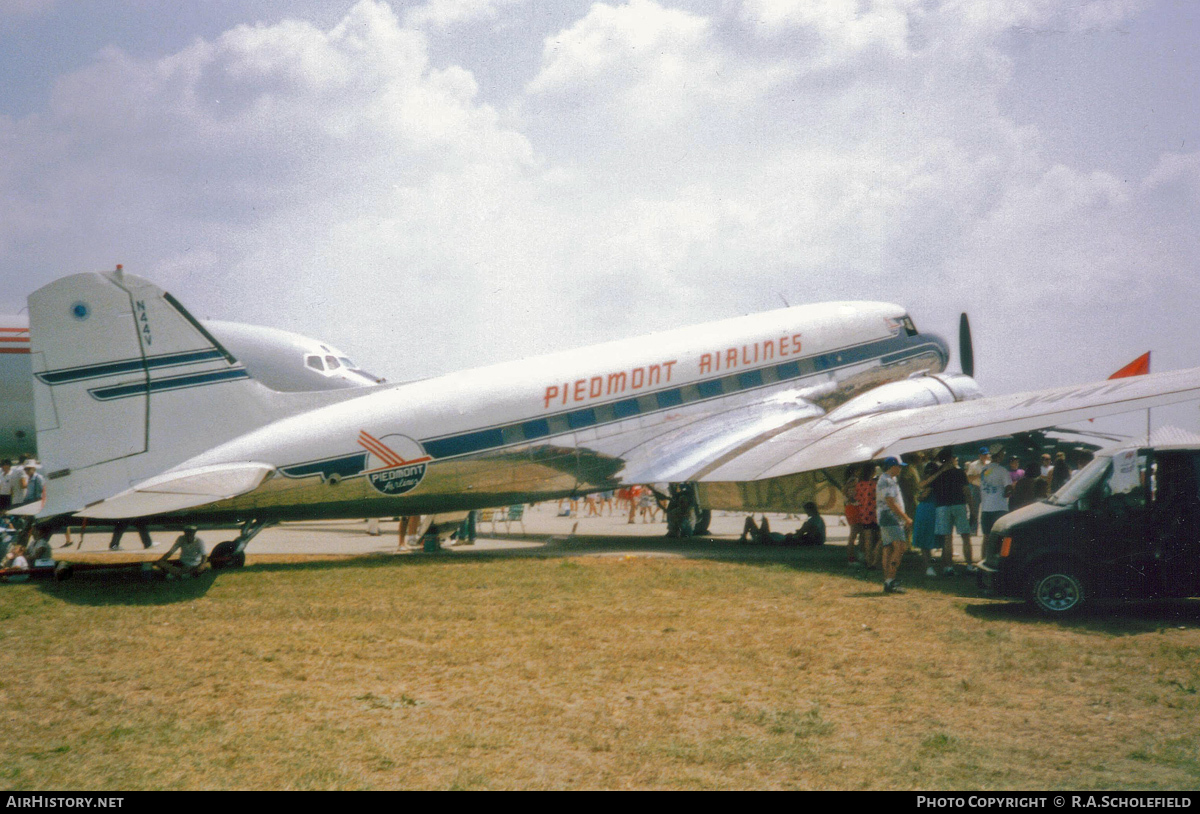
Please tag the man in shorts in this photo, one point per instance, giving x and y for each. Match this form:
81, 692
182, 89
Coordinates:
951, 497
974, 470
996, 485
894, 523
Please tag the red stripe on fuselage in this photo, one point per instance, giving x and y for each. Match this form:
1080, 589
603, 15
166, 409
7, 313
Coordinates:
379, 449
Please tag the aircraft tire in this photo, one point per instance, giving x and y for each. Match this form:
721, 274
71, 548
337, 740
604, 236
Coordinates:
702, 524
226, 555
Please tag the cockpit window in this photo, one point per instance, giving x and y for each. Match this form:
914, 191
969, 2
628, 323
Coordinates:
347, 363
315, 363
332, 363
909, 327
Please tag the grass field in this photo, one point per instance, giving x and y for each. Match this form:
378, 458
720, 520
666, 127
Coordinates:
583, 672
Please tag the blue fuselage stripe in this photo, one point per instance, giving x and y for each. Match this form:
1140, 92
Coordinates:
79, 374
888, 351
120, 391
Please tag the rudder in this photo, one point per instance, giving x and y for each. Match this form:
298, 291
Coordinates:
126, 385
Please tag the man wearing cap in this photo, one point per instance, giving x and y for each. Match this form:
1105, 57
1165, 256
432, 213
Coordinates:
894, 523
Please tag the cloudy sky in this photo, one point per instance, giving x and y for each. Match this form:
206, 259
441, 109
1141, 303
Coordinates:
437, 185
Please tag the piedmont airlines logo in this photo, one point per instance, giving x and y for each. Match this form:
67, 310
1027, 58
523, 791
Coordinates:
395, 463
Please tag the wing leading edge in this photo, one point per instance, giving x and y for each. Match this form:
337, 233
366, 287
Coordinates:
824, 442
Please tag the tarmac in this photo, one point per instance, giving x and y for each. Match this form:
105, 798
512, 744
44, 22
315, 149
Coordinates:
542, 530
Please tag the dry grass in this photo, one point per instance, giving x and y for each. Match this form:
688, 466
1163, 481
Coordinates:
591, 672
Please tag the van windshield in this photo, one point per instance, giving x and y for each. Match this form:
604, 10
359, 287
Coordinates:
1082, 482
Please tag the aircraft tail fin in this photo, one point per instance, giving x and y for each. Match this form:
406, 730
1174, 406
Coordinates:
128, 384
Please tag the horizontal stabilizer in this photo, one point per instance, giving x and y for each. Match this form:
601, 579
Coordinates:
175, 491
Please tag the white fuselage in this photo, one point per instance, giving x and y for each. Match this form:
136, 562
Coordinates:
563, 423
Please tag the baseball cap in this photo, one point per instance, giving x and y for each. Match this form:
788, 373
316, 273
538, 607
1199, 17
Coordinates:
889, 462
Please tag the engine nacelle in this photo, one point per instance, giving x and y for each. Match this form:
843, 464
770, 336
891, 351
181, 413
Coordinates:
922, 391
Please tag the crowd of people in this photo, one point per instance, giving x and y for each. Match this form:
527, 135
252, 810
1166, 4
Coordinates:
946, 500
20, 485
25, 544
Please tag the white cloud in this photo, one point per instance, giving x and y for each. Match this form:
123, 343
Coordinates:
444, 14
844, 28
660, 166
645, 67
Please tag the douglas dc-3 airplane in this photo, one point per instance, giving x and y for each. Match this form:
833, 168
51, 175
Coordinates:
142, 413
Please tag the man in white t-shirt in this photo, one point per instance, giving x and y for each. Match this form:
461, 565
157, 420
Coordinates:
894, 523
974, 469
995, 486
192, 556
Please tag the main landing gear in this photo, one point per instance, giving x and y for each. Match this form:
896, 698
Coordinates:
232, 553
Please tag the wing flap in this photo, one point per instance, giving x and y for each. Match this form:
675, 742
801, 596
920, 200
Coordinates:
186, 489
684, 453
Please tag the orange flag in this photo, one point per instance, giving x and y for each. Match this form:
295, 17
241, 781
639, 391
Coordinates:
1138, 367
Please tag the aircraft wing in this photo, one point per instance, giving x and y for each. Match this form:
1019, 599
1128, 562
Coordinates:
776, 445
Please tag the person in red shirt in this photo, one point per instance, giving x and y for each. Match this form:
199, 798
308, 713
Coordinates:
853, 519
864, 494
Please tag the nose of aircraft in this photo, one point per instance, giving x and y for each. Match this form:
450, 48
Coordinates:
943, 348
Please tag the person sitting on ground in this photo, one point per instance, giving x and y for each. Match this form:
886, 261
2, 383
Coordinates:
192, 556
760, 533
8, 533
813, 530
16, 561
39, 550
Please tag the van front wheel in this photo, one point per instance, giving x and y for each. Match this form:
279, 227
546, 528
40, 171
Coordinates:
1058, 590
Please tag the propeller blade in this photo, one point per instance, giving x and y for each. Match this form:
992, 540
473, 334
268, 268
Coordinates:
966, 353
